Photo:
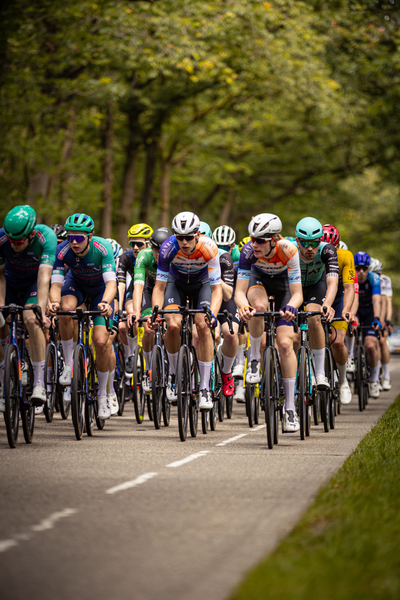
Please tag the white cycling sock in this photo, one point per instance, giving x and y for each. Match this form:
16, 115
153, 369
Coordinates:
319, 361
127, 351
385, 367
240, 354
132, 343
227, 363
173, 359
349, 341
68, 350
38, 373
110, 382
373, 374
147, 358
103, 379
205, 372
255, 353
288, 386
342, 373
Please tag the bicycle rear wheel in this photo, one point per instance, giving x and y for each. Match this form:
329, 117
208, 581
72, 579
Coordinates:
157, 385
26, 407
11, 394
50, 382
194, 399
184, 390
139, 395
250, 403
269, 393
119, 381
229, 406
78, 395
166, 406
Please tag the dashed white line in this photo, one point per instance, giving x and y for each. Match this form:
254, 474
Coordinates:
130, 484
237, 437
257, 428
6, 544
179, 463
49, 522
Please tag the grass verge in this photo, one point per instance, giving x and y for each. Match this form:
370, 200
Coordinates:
347, 545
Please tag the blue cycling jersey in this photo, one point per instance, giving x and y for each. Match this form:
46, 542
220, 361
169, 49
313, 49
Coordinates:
368, 289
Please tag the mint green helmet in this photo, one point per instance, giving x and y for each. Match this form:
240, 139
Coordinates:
205, 229
79, 222
19, 222
309, 229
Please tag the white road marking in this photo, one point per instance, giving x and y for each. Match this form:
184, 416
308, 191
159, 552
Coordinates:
257, 428
179, 463
237, 437
130, 484
6, 544
49, 522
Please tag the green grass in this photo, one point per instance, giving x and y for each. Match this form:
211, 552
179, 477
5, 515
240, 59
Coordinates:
347, 545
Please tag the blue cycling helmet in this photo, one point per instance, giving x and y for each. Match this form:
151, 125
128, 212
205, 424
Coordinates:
362, 258
309, 229
290, 238
205, 229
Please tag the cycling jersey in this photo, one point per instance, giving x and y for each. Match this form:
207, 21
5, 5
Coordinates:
227, 270
22, 266
92, 270
235, 254
284, 263
369, 288
386, 286
145, 267
356, 288
126, 265
346, 269
325, 261
202, 263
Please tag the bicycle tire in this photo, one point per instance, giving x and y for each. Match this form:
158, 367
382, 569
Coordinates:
91, 398
217, 397
256, 404
330, 375
359, 378
166, 406
229, 406
250, 402
184, 390
269, 386
301, 380
78, 393
50, 380
11, 394
139, 396
194, 398
323, 403
309, 397
26, 408
119, 381
157, 385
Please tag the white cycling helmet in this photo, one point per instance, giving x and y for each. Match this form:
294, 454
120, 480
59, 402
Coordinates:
224, 236
375, 265
342, 245
117, 249
264, 225
185, 223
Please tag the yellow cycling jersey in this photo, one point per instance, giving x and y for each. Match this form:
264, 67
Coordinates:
346, 267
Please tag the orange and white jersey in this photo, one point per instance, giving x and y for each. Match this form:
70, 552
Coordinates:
285, 262
202, 263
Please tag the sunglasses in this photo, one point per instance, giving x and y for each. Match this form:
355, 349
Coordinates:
224, 248
361, 268
308, 243
134, 243
260, 241
188, 238
16, 242
76, 237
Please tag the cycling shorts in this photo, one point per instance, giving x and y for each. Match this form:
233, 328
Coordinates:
177, 292
315, 294
72, 288
21, 295
366, 316
274, 286
231, 307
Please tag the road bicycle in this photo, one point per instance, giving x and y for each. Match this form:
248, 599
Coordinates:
159, 372
140, 396
53, 367
361, 375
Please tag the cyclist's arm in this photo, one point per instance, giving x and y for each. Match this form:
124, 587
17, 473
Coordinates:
121, 292
137, 297
216, 298
43, 284
296, 291
331, 290
348, 298
157, 298
376, 303
389, 309
110, 291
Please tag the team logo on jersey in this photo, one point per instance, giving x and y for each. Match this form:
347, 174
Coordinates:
63, 252
41, 237
100, 247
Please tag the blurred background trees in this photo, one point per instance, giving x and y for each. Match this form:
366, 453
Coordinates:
134, 110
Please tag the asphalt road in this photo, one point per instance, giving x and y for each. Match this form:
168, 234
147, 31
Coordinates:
133, 513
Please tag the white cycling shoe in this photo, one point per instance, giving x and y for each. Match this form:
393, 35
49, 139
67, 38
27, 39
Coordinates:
113, 403
38, 397
104, 410
290, 422
374, 389
351, 365
238, 371
65, 377
386, 385
205, 402
345, 393
253, 374
239, 394
322, 382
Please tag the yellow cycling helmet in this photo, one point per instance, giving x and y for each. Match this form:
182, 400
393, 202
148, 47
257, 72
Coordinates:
140, 230
244, 242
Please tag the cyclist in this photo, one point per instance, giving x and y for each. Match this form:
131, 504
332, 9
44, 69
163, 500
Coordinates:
138, 296
386, 316
188, 267
91, 274
225, 237
27, 254
138, 236
269, 266
342, 306
319, 278
369, 315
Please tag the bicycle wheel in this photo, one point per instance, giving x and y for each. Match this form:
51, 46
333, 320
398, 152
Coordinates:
250, 403
184, 390
331, 396
119, 381
194, 398
166, 406
229, 406
301, 382
50, 382
139, 395
26, 407
218, 397
78, 395
360, 377
256, 404
91, 398
11, 394
269, 393
157, 385
149, 407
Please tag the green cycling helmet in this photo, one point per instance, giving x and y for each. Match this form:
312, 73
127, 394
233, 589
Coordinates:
79, 222
19, 222
205, 229
309, 229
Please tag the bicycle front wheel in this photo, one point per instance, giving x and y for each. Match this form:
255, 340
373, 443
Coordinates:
50, 382
11, 395
360, 378
269, 387
119, 383
194, 398
78, 395
26, 407
157, 387
331, 396
301, 387
91, 398
184, 390
250, 403
139, 395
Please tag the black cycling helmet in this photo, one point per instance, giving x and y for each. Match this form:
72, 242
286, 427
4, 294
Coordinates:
159, 236
59, 231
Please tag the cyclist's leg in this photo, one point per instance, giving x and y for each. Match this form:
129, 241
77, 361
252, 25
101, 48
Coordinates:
229, 346
71, 297
173, 298
385, 357
314, 297
37, 346
339, 351
258, 299
205, 348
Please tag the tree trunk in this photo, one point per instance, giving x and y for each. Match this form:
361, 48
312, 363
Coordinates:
128, 186
165, 197
108, 175
226, 209
147, 196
